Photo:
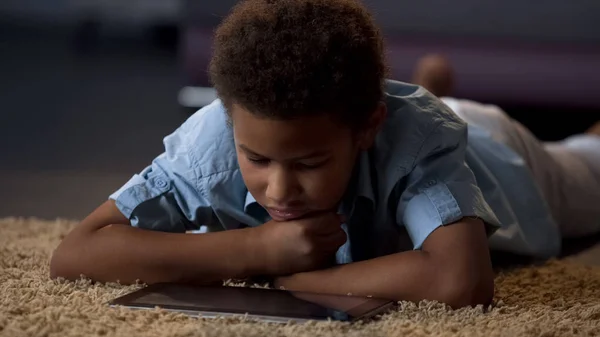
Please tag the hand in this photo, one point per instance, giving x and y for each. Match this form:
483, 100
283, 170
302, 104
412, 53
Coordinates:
284, 282
302, 244
301, 288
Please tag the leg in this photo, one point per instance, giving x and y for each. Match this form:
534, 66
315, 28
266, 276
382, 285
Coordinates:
578, 164
594, 130
567, 172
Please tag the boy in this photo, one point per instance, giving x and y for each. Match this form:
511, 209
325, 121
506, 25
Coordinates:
313, 170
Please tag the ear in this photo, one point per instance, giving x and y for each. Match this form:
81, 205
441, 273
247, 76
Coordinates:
373, 126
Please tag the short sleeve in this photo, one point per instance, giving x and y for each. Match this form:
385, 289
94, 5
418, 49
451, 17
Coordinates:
441, 188
166, 195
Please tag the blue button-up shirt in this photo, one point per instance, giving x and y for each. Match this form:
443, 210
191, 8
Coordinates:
426, 169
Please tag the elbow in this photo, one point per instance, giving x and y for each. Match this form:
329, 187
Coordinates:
66, 261
57, 268
60, 266
464, 292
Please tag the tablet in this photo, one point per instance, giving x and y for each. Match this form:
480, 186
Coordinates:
272, 305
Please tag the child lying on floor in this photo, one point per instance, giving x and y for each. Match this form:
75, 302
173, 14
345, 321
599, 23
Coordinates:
314, 170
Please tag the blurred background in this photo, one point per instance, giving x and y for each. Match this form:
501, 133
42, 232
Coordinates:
89, 88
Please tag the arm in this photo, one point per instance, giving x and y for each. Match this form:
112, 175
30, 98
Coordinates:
438, 204
140, 232
104, 247
461, 278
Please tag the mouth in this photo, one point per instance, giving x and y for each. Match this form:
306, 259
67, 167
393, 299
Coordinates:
283, 214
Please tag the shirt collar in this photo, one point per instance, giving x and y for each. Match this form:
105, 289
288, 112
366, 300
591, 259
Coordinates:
360, 186
249, 201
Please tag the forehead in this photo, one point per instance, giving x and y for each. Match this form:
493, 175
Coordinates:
287, 138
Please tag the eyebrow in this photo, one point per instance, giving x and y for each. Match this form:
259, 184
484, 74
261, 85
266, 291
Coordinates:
318, 153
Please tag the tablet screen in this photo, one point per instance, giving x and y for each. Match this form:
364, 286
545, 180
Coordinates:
239, 300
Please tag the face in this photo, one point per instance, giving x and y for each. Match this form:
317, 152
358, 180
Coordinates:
296, 167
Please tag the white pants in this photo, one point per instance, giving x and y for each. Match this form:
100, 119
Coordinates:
567, 172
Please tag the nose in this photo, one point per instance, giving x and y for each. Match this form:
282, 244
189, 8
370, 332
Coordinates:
282, 187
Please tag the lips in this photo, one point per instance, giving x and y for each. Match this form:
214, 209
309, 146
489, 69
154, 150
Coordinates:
280, 214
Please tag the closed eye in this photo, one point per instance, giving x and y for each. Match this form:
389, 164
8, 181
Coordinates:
259, 161
310, 166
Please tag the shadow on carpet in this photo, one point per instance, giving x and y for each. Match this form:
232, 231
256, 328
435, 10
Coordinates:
558, 298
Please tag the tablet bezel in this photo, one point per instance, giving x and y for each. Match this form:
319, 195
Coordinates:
353, 314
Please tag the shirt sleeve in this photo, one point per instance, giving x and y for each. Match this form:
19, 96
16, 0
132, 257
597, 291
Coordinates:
441, 188
165, 195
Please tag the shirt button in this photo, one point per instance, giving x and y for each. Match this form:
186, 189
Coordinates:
432, 182
160, 183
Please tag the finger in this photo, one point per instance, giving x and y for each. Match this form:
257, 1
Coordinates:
333, 241
332, 224
322, 224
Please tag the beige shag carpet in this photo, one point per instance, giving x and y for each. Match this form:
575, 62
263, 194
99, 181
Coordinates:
556, 299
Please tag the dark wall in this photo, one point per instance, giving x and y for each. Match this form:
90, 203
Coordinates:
554, 20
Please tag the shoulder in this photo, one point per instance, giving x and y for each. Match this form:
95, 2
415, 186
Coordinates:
416, 118
207, 139
466, 107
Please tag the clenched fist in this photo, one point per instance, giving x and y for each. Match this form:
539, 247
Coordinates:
300, 245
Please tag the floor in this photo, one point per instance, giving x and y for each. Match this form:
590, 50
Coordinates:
76, 125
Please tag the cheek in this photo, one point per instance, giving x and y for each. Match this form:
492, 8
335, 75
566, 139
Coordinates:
326, 188
323, 191
254, 179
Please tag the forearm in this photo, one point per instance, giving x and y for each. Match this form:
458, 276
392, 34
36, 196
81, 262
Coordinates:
127, 254
453, 267
407, 276
398, 276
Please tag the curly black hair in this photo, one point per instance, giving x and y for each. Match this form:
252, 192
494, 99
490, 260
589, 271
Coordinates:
283, 59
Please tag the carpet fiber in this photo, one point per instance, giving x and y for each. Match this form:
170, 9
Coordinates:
559, 298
